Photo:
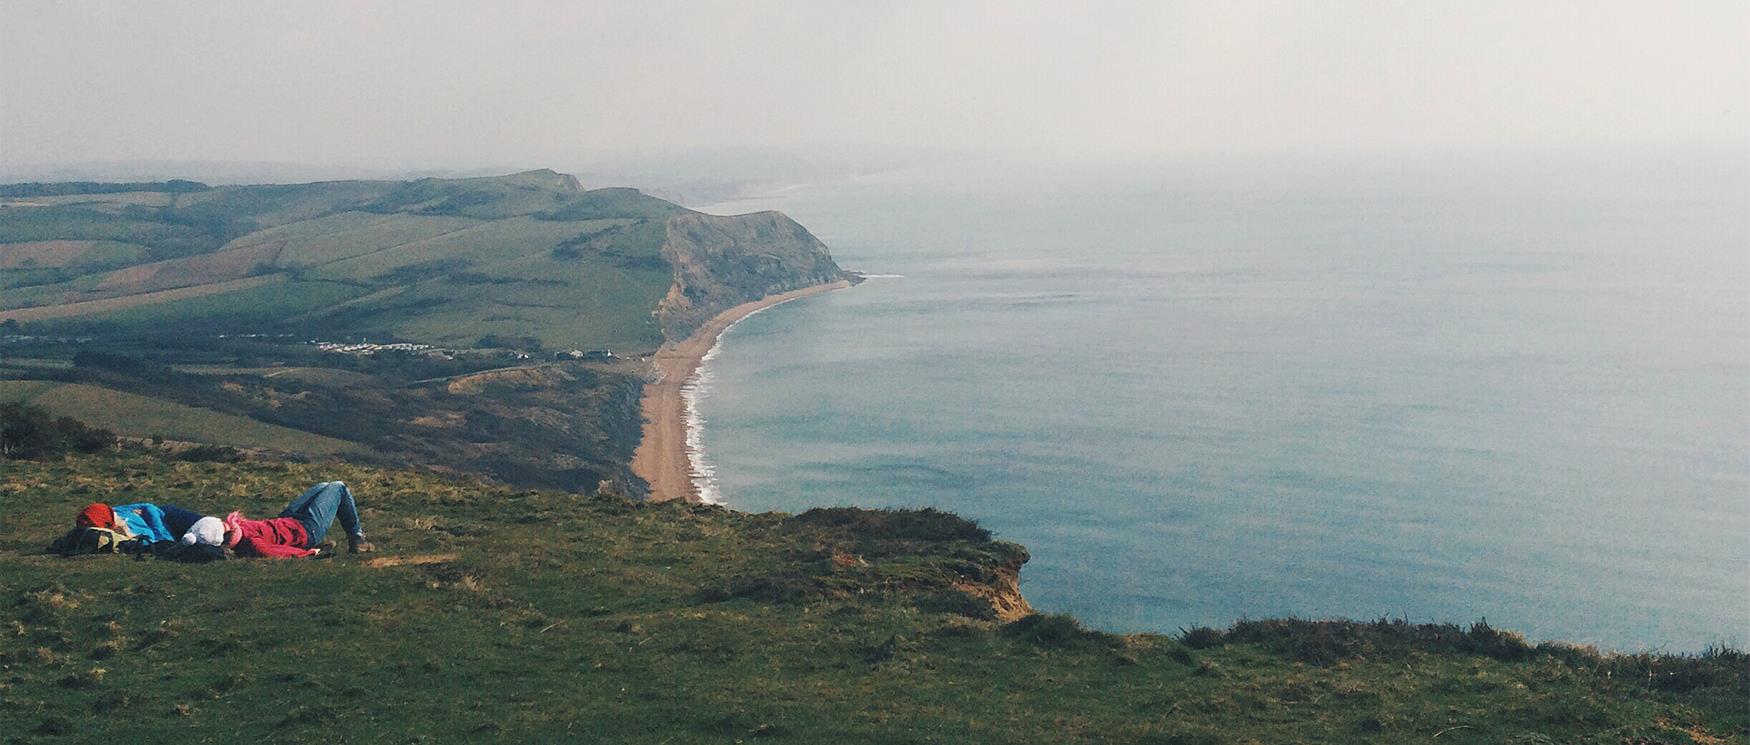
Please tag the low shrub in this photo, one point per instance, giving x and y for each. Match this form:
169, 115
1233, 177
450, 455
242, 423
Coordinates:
1200, 637
928, 524
30, 432
1056, 631
1326, 642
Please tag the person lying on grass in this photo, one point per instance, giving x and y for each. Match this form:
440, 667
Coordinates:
150, 523
299, 530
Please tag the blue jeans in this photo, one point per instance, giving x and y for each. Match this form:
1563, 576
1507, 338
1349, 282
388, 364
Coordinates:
318, 507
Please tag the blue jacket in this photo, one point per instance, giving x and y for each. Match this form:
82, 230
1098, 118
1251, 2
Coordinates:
153, 523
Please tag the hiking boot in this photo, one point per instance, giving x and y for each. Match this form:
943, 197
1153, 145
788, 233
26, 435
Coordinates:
358, 545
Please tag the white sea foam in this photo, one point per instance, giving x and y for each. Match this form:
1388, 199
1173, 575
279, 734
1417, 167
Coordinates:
699, 467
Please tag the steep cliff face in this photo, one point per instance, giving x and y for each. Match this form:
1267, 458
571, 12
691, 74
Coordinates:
1000, 586
722, 262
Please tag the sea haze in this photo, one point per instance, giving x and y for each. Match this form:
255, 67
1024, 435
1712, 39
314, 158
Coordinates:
1508, 388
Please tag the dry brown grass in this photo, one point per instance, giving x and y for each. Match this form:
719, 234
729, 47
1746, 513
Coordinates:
187, 272
384, 562
42, 254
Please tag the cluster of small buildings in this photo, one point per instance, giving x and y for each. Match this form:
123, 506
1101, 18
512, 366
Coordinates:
579, 354
367, 348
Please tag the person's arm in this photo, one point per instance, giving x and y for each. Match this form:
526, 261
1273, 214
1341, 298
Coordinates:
156, 529
268, 550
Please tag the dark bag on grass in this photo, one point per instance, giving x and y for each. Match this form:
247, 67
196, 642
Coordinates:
199, 553
94, 541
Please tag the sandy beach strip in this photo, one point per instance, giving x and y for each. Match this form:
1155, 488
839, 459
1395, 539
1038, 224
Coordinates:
662, 458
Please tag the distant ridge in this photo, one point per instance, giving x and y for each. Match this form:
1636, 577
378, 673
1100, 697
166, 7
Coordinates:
436, 260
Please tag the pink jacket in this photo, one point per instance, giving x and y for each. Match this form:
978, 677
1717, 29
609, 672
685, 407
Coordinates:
274, 538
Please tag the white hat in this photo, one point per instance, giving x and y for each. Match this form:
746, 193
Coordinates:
207, 531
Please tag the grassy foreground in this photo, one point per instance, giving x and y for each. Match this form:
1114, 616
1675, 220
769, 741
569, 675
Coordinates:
500, 615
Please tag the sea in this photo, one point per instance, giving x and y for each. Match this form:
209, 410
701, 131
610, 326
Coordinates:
1502, 387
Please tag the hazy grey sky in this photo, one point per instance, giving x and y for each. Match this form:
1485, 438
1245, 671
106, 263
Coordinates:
456, 84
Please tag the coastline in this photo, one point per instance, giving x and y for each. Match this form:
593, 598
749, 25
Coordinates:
664, 458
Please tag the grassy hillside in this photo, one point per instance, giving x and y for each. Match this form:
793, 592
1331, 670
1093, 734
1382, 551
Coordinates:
514, 616
497, 273
564, 425
131, 415
441, 261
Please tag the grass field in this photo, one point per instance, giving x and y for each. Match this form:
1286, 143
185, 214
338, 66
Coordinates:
113, 200
314, 375
354, 234
434, 260
158, 304
59, 254
245, 305
465, 246
133, 415
492, 615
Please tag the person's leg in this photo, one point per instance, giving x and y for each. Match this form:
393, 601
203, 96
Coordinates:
318, 507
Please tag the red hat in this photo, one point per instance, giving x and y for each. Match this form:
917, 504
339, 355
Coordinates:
233, 530
95, 515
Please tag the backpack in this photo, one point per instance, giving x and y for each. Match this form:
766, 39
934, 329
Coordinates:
199, 553
94, 541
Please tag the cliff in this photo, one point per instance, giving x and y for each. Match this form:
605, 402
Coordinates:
722, 262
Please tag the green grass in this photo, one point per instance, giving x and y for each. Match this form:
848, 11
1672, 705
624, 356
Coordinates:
255, 309
321, 376
600, 306
443, 261
438, 261
54, 294
322, 242
303, 230
132, 415
474, 244
21, 224
541, 616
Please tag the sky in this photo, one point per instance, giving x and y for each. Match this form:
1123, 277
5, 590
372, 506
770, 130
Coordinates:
474, 84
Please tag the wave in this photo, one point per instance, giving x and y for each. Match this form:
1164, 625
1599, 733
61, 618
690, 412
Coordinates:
699, 468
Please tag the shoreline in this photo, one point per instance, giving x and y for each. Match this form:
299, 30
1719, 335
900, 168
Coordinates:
665, 458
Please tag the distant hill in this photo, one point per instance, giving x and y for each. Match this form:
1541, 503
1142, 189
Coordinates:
440, 261
179, 310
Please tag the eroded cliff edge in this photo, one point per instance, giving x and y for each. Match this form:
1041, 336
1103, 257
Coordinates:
721, 262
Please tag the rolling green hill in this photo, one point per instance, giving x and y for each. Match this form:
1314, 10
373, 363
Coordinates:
132, 415
438, 261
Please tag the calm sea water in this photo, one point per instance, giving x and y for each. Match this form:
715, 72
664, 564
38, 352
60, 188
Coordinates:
1444, 391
